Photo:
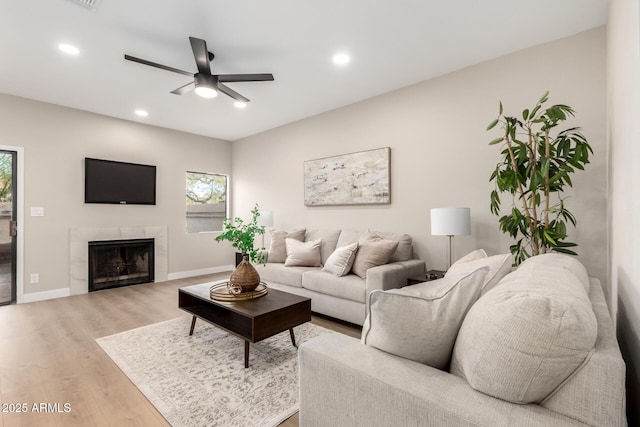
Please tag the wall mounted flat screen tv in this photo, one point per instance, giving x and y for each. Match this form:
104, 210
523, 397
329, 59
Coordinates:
108, 181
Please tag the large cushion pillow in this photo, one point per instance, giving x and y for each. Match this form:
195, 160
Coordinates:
527, 336
341, 260
349, 236
278, 250
329, 240
420, 322
499, 266
473, 255
372, 252
303, 254
554, 260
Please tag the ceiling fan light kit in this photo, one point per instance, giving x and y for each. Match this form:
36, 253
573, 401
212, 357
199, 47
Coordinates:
204, 83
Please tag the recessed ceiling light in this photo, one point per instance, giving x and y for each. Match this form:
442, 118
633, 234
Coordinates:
142, 113
239, 104
341, 59
67, 48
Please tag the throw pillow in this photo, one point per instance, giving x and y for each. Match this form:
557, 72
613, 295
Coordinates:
499, 266
372, 253
421, 322
278, 250
303, 254
341, 260
405, 247
527, 336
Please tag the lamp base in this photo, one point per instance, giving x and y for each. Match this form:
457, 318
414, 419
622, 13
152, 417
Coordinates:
450, 254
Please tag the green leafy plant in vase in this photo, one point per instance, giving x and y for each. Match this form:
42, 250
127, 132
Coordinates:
241, 234
535, 167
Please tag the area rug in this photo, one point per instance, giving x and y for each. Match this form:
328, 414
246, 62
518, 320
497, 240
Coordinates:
200, 380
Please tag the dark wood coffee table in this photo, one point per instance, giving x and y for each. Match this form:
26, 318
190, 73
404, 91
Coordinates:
252, 320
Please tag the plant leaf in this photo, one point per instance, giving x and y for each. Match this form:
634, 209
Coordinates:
544, 98
492, 124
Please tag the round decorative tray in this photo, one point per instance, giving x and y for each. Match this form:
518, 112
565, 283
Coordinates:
225, 292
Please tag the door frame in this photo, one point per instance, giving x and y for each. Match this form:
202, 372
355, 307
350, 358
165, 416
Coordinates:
19, 220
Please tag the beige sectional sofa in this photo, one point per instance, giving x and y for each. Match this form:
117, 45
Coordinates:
537, 348
342, 297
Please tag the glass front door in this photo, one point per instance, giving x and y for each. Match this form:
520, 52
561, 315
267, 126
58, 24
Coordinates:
8, 228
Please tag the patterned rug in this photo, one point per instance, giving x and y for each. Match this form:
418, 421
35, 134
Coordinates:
201, 380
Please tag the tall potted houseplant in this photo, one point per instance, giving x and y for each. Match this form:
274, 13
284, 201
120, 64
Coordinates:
241, 234
535, 167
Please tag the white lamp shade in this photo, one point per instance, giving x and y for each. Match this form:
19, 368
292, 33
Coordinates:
450, 221
265, 219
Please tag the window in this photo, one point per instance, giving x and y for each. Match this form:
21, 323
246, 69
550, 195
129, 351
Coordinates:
206, 201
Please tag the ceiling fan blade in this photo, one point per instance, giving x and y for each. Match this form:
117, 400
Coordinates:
230, 78
200, 54
232, 93
184, 89
153, 64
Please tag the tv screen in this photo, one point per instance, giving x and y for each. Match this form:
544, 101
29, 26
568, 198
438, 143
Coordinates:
107, 181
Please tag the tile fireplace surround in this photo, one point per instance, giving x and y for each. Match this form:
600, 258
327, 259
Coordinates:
79, 239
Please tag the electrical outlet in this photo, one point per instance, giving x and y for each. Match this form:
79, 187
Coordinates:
35, 278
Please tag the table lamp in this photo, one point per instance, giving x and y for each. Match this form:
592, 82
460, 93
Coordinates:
450, 222
265, 220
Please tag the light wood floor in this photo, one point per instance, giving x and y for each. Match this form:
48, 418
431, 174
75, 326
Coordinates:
48, 354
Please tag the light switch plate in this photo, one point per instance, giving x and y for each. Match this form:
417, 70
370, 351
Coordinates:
37, 211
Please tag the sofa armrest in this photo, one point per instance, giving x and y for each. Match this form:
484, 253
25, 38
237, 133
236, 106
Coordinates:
387, 276
393, 275
344, 382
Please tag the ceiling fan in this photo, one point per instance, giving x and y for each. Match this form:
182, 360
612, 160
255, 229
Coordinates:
204, 83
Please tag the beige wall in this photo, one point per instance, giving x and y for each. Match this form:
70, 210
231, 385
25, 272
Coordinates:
439, 151
623, 82
56, 140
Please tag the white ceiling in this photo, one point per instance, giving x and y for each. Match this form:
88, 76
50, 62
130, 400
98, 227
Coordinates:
393, 43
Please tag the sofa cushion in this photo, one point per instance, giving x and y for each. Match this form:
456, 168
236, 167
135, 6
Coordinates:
372, 252
278, 273
341, 260
350, 287
302, 254
348, 236
420, 322
329, 241
405, 248
278, 249
499, 266
523, 339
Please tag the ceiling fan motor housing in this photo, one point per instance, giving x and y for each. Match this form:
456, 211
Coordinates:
206, 80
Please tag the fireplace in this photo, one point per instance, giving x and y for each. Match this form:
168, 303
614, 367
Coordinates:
115, 263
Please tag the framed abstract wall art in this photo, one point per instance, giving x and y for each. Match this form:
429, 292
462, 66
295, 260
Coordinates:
362, 178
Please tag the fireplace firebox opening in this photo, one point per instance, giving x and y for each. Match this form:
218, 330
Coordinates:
115, 263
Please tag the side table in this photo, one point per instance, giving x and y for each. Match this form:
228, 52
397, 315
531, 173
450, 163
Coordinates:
429, 276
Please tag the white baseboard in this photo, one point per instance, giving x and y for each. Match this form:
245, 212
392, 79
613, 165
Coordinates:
203, 271
45, 295
65, 292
